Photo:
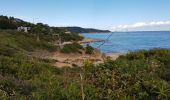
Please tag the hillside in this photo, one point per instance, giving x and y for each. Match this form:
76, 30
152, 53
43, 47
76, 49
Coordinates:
85, 30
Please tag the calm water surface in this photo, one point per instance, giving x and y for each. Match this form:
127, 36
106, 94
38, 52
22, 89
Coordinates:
130, 41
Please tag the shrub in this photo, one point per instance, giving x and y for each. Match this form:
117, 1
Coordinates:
6, 23
71, 37
89, 50
71, 48
140, 75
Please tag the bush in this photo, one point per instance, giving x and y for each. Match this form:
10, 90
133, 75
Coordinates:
71, 37
6, 23
141, 75
89, 50
71, 48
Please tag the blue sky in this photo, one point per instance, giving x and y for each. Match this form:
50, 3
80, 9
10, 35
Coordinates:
102, 14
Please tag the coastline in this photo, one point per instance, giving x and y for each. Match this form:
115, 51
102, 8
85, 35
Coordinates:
90, 40
70, 60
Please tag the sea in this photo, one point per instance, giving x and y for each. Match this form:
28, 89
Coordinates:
123, 42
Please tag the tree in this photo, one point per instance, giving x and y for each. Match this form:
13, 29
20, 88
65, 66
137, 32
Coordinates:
6, 23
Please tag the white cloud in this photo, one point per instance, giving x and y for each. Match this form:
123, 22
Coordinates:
143, 26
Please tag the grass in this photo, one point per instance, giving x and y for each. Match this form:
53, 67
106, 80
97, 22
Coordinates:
71, 48
23, 41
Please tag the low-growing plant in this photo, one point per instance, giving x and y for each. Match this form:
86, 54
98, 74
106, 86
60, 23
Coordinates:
137, 75
71, 48
89, 50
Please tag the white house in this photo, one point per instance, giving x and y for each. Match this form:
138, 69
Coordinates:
68, 32
24, 29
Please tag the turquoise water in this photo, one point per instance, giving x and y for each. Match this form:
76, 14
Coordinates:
130, 41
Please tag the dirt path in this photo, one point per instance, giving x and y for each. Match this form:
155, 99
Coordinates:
76, 59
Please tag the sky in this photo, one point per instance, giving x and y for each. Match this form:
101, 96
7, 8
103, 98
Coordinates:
115, 15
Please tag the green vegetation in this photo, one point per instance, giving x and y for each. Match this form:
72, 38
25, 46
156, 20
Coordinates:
84, 30
38, 29
13, 41
71, 48
7, 23
71, 37
22, 76
75, 48
89, 50
138, 75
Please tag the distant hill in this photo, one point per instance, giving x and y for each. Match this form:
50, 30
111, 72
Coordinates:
11, 23
84, 30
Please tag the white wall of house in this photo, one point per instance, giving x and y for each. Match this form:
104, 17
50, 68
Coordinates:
25, 29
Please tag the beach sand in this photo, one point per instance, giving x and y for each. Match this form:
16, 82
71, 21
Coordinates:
77, 59
89, 40
114, 56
